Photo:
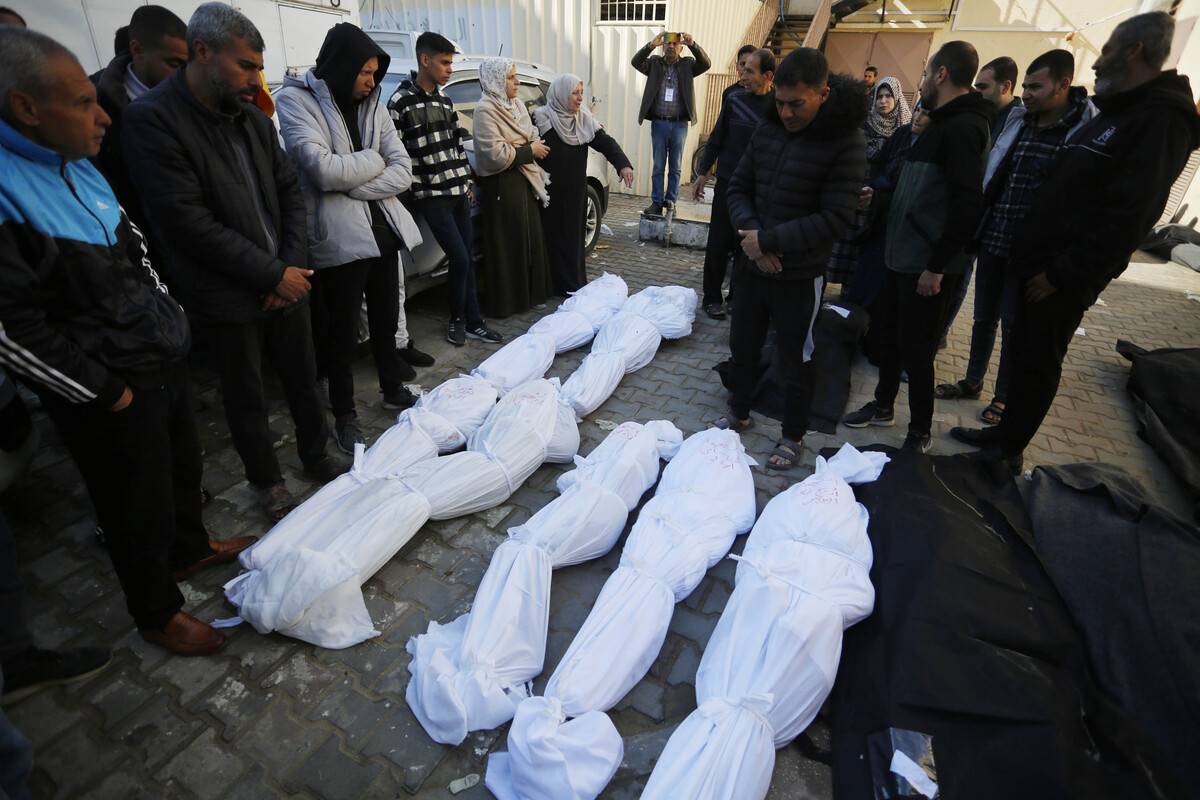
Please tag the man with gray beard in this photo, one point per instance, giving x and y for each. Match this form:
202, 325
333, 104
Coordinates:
225, 201
1101, 197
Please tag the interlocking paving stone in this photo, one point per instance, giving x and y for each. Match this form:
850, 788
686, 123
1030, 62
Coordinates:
275, 717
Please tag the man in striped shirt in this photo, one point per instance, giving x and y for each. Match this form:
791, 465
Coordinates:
427, 122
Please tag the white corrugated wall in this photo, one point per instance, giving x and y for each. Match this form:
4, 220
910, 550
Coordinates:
560, 35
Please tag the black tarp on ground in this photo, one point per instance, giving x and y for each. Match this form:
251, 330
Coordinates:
1165, 385
970, 643
1129, 572
835, 343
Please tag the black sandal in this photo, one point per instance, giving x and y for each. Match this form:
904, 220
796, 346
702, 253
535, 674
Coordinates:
957, 391
728, 423
787, 451
992, 414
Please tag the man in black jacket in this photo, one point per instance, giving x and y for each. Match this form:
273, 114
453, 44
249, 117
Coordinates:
669, 102
792, 196
740, 115
933, 214
1109, 185
85, 321
226, 201
157, 48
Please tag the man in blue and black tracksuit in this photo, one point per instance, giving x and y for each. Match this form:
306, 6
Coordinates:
86, 323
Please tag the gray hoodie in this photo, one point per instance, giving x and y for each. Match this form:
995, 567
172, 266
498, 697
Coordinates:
339, 182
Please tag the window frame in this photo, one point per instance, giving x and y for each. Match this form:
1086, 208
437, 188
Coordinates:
649, 4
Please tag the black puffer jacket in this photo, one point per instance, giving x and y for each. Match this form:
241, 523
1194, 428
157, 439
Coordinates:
1108, 187
200, 205
801, 189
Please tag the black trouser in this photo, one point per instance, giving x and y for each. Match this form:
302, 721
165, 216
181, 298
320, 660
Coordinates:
341, 290
791, 307
449, 219
911, 326
14, 632
722, 245
286, 337
142, 468
1041, 334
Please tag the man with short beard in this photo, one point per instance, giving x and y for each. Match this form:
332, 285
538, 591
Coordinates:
1103, 194
226, 201
156, 48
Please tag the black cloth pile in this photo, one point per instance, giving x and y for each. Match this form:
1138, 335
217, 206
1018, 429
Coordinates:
971, 644
1163, 385
1128, 571
835, 343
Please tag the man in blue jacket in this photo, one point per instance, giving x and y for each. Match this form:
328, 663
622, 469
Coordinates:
85, 321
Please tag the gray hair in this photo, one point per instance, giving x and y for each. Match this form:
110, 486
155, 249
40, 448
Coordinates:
1153, 31
216, 24
24, 57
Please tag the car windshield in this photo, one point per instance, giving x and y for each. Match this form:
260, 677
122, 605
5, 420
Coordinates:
465, 95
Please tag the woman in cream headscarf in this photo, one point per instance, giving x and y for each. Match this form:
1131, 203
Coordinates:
569, 129
511, 187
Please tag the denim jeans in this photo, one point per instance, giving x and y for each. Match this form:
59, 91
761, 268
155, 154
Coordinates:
668, 137
449, 219
995, 301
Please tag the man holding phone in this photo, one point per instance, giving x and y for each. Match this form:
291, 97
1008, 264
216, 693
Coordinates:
669, 102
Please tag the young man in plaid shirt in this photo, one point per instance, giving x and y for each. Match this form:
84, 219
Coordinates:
427, 122
1025, 148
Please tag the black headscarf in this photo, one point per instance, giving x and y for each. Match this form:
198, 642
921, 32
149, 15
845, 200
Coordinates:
345, 49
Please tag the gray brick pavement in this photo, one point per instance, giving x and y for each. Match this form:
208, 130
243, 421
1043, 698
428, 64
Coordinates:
274, 717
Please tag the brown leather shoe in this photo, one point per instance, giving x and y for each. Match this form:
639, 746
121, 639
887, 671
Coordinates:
223, 553
184, 635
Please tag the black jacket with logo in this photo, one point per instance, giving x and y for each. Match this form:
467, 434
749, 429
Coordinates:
1108, 187
801, 189
200, 205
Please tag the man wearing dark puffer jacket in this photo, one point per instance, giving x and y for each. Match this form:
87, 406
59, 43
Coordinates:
934, 213
1109, 185
792, 196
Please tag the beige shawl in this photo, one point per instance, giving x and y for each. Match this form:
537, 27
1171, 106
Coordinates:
501, 126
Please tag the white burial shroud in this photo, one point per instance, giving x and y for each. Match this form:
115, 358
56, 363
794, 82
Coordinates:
443, 419
628, 342
572, 325
312, 592
470, 674
771, 662
562, 746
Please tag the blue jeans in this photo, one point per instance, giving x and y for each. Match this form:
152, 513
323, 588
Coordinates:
995, 301
668, 137
449, 219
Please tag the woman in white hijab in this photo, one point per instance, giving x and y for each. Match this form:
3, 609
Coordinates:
569, 129
511, 188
